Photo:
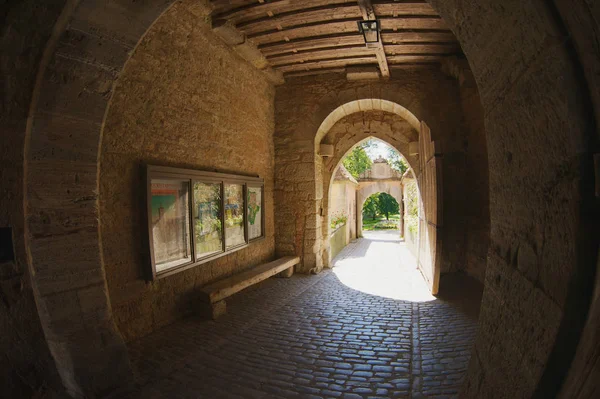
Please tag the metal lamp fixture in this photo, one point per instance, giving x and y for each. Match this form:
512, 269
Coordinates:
370, 30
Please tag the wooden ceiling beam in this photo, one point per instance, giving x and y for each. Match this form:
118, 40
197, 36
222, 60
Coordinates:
412, 59
417, 37
329, 28
335, 63
355, 51
321, 71
254, 10
425, 48
368, 13
342, 62
316, 36
395, 9
258, 11
443, 40
348, 16
361, 50
304, 44
300, 18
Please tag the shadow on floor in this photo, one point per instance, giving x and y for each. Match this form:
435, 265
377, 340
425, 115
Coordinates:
315, 337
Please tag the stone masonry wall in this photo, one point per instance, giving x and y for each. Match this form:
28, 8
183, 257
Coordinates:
477, 189
539, 129
183, 100
26, 368
301, 106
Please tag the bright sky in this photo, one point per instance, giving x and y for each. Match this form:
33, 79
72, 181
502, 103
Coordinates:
379, 149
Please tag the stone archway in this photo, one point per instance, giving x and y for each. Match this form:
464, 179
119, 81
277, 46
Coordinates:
318, 251
367, 189
90, 45
404, 134
542, 178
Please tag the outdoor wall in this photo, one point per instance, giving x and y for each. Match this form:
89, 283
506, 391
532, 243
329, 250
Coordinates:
183, 100
302, 104
410, 238
338, 240
343, 197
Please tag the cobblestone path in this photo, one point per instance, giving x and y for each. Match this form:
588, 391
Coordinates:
364, 329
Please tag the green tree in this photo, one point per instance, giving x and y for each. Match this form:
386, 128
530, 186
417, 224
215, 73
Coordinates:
387, 205
357, 161
370, 207
396, 161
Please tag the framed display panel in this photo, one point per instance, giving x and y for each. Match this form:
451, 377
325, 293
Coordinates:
255, 215
196, 216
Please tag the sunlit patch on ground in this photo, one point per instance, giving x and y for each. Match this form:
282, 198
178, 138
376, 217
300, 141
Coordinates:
381, 264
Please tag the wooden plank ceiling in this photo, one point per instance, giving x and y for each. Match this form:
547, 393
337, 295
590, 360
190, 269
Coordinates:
300, 37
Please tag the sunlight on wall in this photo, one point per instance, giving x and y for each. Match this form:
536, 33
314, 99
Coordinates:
380, 264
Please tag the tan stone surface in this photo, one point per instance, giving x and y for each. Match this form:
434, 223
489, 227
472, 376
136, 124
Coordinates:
535, 76
184, 100
312, 108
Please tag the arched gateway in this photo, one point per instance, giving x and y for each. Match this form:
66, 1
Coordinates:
429, 242
535, 64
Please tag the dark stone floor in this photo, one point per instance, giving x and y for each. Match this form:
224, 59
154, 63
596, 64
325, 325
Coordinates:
316, 337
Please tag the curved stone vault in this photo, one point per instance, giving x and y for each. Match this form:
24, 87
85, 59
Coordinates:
535, 67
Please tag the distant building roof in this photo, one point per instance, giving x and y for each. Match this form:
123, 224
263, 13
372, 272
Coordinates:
380, 159
343, 174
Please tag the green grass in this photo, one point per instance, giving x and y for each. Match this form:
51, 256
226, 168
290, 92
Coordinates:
379, 223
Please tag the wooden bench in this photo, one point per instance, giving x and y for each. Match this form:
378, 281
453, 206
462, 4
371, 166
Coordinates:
214, 294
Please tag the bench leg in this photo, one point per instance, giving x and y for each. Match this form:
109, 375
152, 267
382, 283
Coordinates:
213, 310
287, 273
218, 309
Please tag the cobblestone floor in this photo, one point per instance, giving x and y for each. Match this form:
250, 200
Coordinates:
365, 329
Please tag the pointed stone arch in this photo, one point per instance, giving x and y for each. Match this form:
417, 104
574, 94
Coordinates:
527, 64
430, 243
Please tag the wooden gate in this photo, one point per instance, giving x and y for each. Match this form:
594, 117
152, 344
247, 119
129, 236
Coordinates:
430, 213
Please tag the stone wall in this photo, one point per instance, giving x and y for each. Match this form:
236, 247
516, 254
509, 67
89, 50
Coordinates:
302, 104
477, 215
539, 130
535, 77
26, 368
476, 191
338, 240
343, 197
183, 100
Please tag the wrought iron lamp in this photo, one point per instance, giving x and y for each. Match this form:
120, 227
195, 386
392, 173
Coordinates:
370, 30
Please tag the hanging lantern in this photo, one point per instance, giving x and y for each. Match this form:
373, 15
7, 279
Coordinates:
370, 30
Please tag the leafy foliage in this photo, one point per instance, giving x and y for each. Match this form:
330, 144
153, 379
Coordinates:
338, 219
396, 161
381, 204
357, 161
370, 207
387, 205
